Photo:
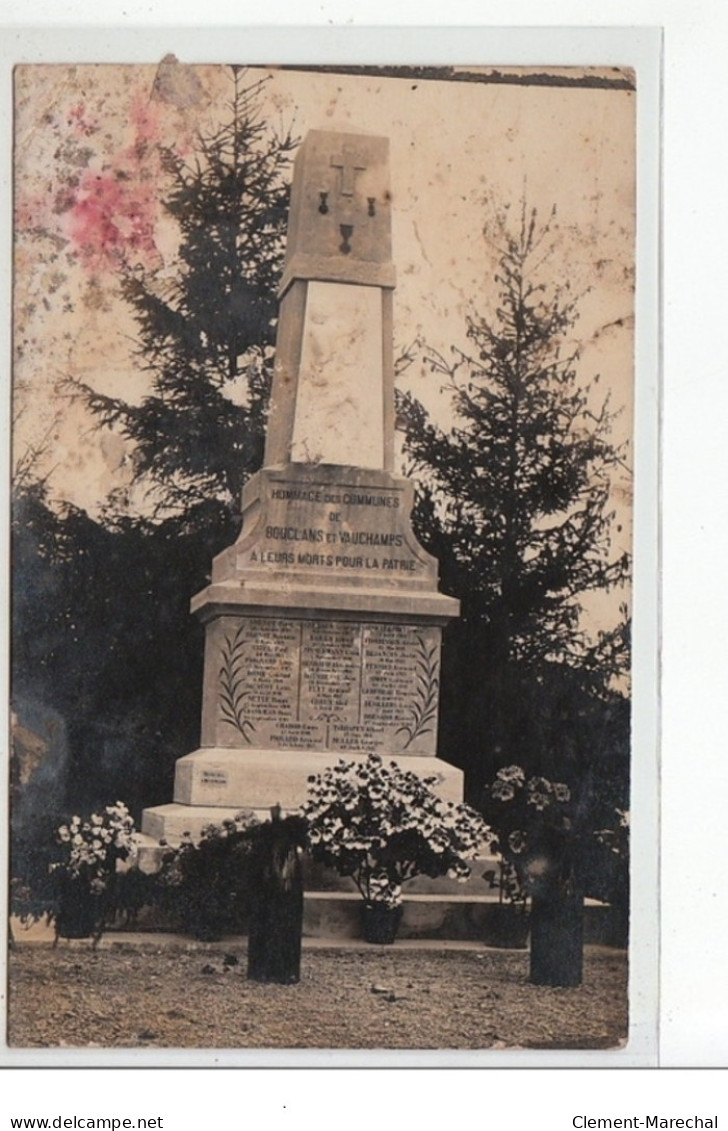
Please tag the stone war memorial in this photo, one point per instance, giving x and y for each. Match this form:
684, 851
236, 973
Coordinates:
321, 557
323, 621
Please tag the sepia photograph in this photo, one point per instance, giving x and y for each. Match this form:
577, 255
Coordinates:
322, 557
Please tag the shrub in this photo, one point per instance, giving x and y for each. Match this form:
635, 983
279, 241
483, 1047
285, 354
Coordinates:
204, 884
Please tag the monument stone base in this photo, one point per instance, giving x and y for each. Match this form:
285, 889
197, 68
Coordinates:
215, 783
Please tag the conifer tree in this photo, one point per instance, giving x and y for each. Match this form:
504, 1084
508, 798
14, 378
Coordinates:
103, 635
206, 338
514, 501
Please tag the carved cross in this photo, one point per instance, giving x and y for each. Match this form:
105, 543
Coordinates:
348, 163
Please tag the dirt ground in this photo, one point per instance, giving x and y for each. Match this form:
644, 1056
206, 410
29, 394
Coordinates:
178, 995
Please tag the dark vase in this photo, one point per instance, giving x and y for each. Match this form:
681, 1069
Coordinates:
507, 927
380, 923
557, 938
80, 913
276, 919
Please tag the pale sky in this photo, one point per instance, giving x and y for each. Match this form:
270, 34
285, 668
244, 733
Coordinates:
456, 149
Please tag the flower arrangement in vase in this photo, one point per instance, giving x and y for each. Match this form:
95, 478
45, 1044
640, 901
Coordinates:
533, 824
94, 853
545, 839
383, 825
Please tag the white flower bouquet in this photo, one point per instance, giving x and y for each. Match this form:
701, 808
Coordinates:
95, 849
533, 820
383, 825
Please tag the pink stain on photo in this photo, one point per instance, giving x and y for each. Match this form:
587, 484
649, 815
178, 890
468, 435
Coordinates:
115, 210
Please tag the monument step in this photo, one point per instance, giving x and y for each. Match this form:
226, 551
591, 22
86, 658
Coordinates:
170, 823
431, 916
42, 933
318, 878
336, 917
432, 908
213, 783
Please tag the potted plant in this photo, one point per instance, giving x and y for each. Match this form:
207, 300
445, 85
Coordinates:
613, 873
204, 883
508, 927
93, 854
541, 840
383, 825
33, 892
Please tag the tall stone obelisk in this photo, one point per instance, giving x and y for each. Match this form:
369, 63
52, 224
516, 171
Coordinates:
323, 620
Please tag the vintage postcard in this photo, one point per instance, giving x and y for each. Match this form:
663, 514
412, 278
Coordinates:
322, 563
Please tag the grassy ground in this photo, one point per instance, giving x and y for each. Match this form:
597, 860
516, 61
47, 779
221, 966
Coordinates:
166, 993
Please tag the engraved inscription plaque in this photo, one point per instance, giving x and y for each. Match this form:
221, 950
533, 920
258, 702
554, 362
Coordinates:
307, 524
344, 686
